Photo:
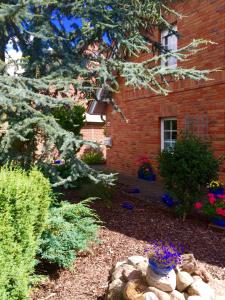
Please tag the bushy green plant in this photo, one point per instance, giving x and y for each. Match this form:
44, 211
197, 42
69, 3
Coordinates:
186, 169
70, 118
24, 203
70, 228
93, 156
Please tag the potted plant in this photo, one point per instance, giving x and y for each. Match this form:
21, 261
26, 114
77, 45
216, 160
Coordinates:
214, 207
216, 187
145, 169
163, 257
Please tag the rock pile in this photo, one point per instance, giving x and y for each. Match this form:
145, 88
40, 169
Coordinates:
133, 279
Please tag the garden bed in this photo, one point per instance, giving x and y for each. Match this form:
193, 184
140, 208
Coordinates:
126, 232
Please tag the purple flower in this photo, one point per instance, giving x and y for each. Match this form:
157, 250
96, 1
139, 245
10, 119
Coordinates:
165, 254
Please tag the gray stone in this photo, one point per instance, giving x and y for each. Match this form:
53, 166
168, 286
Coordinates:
134, 290
134, 260
160, 294
200, 288
183, 280
175, 295
164, 283
142, 266
195, 298
117, 273
115, 290
130, 273
218, 286
120, 263
150, 296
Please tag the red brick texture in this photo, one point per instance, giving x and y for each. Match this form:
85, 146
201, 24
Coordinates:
93, 132
141, 135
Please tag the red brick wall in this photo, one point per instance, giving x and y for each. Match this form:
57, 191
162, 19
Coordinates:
141, 136
94, 132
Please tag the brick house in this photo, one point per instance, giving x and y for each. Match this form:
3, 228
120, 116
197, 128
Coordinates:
93, 130
154, 121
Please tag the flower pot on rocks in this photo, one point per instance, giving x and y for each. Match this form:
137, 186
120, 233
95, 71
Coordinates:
159, 270
165, 283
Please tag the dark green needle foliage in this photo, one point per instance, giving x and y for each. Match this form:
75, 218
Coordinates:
58, 51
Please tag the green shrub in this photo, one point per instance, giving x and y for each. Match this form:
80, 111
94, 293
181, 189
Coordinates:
71, 227
24, 202
92, 156
71, 119
187, 169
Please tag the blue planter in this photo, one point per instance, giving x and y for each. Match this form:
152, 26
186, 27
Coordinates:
151, 177
218, 222
156, 269
218, 191
168, 200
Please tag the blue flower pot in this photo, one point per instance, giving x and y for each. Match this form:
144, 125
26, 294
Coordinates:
218, 222
218, 191
158, 270
150, 177
168, 200
128, 206
58, 162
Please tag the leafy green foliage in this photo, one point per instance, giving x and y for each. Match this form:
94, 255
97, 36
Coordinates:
187, 169
53, 56
70, 228
93, 156
70, 119
24, 202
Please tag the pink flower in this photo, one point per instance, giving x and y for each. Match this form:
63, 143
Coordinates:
221, 196
212, 200
210, 195
220, 211
198, 205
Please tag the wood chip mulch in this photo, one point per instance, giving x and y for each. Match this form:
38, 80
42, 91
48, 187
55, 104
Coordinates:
126, 233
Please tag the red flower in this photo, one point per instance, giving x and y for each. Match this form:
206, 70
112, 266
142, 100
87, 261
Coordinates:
220, 211
198, 205
221, 196
212, 200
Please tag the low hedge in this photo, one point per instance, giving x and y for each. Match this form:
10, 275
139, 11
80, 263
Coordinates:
70, 229
24, 203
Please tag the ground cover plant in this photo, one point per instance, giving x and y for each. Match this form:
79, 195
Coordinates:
70, 229
24, 202
186, 169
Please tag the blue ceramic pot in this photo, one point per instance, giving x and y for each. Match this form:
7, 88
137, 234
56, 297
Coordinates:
168, 200
158, 270
218, 222
218, 191
150, 177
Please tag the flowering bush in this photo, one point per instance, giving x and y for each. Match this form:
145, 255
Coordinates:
214, 206
145, 166
93, 156
215, 184
186, 169
164, 254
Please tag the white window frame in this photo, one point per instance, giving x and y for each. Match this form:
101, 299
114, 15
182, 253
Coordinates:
162, 129
164, 34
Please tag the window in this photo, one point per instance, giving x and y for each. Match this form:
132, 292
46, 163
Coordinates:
168, 132
169, 41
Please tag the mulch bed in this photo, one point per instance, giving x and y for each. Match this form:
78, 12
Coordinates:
126, 233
